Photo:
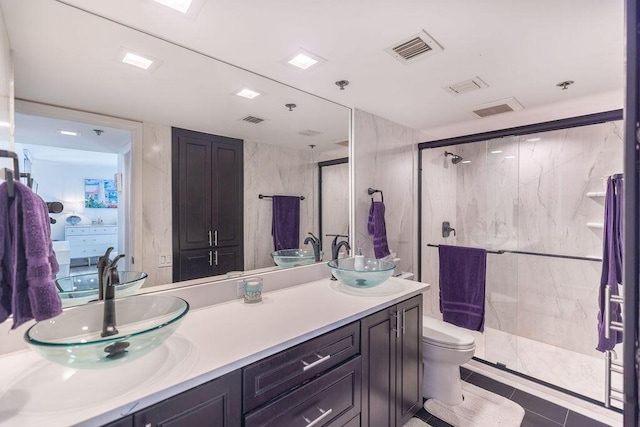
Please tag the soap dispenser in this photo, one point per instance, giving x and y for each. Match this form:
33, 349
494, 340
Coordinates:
358, 263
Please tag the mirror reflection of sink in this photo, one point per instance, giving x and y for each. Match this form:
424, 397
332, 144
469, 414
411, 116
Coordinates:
294, 257
80, 289
371, 273
74, 337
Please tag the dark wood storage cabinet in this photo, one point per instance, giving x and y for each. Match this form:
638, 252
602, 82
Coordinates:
216, 403
392, 364
207, 204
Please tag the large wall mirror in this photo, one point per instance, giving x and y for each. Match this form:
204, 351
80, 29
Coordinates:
69, 76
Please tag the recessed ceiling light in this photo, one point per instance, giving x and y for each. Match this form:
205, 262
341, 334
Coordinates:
179, 5
137, 60
533, 139
68, 132
304, 60
466, 161
496, 151
5, 125
247, 93
509, 157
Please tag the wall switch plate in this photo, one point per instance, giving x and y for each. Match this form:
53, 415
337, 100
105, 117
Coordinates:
165, 259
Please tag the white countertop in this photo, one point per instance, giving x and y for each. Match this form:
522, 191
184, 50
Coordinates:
210, 342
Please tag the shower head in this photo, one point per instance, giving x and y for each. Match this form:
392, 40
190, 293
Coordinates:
455, 159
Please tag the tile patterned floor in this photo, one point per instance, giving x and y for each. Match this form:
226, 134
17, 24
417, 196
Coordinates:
538, 412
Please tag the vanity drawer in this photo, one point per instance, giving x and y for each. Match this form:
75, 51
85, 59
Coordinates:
270, 377
332, 399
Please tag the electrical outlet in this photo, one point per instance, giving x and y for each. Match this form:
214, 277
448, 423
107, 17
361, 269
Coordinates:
165, 259
240, 290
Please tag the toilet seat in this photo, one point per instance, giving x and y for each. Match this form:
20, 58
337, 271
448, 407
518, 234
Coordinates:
446, 335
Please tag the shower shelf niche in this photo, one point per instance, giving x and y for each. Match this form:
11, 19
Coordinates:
595, 194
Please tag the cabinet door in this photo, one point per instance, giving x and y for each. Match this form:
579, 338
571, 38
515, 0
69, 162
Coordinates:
196, 264
227, 259
122, 422
227, 198
192, 150
378, 335
409, 360
216, 403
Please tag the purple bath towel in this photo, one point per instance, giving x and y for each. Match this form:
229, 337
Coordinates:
462, 286
29, 265
378, 229
612, 243
285, 225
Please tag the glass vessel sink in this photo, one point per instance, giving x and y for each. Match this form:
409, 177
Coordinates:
373, 272
74, 337
294, 257
80, 289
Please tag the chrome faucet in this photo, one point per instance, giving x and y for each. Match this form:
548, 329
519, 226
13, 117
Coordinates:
316, 244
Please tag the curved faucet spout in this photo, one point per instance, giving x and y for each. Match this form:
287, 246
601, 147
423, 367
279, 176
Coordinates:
316, 244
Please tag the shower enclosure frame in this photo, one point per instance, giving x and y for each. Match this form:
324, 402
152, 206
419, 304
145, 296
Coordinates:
586, 120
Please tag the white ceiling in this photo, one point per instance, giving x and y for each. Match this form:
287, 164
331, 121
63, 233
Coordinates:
521, 49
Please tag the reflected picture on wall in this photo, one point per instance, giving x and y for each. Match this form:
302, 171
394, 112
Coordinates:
100, 193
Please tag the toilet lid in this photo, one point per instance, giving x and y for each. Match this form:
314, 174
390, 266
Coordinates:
445, 334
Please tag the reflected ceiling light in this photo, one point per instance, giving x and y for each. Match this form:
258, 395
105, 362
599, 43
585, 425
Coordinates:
137, 60
533, 139
466, 161
5, 125
247, 93
179, 5
496, 152
68, 133
509, 157
303, 59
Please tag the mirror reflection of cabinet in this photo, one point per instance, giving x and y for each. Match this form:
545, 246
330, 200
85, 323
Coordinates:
207, 204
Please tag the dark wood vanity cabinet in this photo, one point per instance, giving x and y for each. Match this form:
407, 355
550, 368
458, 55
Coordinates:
207, 204
392, 364
216, 403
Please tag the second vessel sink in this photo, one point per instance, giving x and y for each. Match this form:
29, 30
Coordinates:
294, 257
80, 289
74, 338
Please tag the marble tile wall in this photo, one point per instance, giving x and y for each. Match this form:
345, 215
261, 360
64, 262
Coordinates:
268, 169
384, 159
534, 201
335, 204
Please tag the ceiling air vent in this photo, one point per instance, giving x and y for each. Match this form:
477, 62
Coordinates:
415, 47
252, 119
496, 107
309, 132
465, 86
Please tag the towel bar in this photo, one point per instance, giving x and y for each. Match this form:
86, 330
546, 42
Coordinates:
262, 196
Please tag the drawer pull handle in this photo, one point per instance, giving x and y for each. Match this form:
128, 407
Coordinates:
323, 415
210, 240
320, 360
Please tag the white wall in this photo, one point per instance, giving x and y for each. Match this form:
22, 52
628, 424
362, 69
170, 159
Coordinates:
6, 92
64, 182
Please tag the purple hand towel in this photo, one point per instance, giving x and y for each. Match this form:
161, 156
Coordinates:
285, 225
462, 286
7, 265
34, 266
378, 229
611, 260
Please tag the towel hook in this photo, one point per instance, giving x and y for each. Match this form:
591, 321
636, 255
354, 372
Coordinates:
371, 191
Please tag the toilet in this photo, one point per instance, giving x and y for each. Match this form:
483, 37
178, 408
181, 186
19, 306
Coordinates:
444, 348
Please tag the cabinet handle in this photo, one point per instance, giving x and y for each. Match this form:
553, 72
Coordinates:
404, 318
216, 252
320, 360
215, 238
209, 235
323, 415
210, 258
397, 322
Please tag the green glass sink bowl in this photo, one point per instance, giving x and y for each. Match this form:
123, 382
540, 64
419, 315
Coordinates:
80, 289
294, 257
374, 272
73, 338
